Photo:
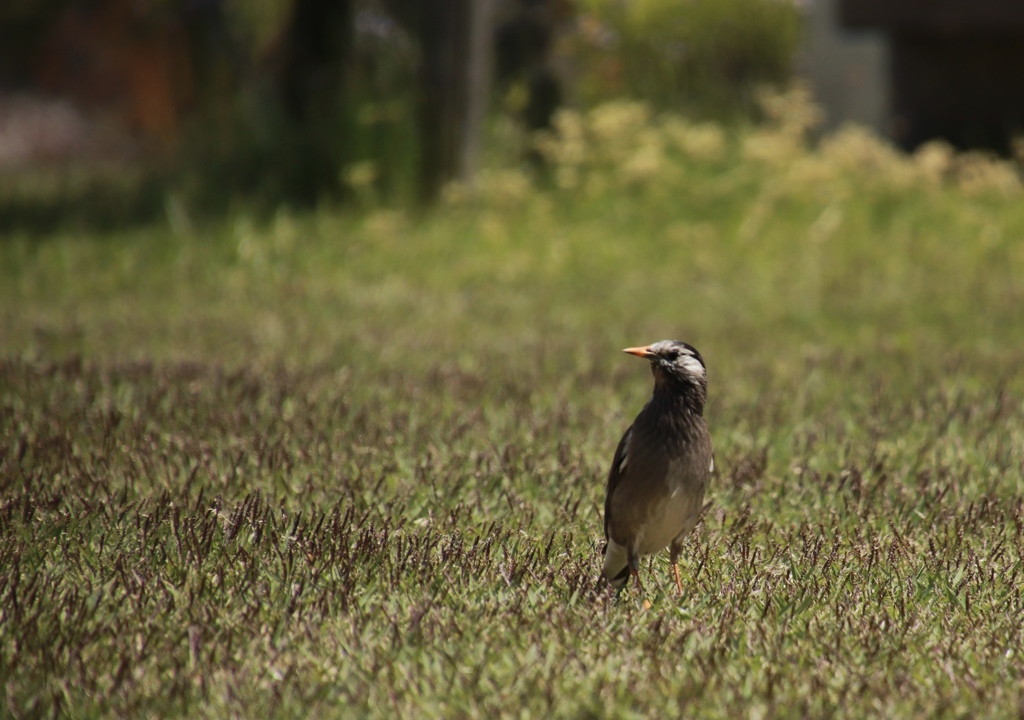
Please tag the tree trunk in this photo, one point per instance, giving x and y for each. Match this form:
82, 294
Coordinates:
454, 40
319, 45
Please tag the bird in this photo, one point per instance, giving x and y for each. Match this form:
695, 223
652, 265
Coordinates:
661, 467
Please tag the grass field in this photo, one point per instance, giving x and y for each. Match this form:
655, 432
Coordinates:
353, 465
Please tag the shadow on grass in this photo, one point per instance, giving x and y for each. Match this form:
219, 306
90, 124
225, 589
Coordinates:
44, 203
199, 184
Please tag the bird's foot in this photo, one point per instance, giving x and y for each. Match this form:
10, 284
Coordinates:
679, 584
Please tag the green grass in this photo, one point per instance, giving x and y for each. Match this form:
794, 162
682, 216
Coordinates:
353, 465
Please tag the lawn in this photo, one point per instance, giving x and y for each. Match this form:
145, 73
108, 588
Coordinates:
352, 463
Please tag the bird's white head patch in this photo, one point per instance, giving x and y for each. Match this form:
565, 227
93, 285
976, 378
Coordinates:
679, 358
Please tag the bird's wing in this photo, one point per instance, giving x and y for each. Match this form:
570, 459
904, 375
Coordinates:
618, 467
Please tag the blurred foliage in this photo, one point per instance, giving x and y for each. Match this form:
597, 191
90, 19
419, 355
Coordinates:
704, 56
240, 146
258, 23
251, 152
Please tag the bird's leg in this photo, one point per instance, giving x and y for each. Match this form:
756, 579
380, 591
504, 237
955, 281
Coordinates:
634, 569
674, 554
679, 584
636, 576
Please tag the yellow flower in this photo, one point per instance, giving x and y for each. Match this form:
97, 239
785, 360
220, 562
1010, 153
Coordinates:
978, 174
934, 160
698, 141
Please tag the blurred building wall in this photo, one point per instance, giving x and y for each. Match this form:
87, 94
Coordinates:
847, 69
954, 69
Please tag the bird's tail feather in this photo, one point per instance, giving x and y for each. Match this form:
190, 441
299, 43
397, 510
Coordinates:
616, 564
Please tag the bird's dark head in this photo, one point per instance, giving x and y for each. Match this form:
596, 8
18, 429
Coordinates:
675, 364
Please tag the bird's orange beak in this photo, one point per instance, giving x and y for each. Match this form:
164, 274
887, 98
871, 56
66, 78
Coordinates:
643, 352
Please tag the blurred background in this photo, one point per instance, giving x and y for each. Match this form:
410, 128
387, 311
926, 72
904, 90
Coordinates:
115, 110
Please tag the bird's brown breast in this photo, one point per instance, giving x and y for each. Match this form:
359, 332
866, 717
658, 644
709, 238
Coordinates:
662, 484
